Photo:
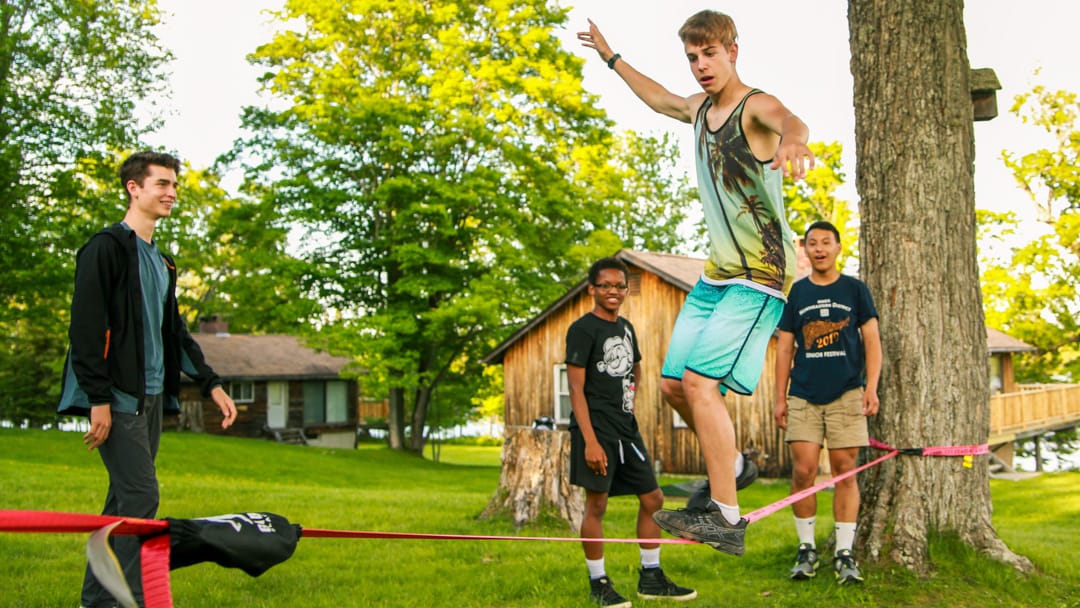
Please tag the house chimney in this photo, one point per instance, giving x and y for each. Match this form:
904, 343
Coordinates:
213, 324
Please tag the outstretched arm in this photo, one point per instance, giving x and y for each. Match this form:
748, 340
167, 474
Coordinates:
792, 155
648, 90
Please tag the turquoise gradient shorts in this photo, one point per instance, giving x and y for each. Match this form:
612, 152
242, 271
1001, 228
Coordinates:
723, 333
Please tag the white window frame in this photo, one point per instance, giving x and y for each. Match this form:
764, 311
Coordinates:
236, 391
561, 381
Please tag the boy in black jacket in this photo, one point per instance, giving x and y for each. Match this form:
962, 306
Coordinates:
128, 346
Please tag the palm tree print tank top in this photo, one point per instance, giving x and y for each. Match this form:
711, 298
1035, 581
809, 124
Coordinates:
749, 238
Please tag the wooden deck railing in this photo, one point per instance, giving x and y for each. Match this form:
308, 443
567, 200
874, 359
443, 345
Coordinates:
1032, 409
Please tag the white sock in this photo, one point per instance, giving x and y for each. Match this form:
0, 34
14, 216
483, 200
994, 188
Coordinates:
596, 568
739, 465
650, 558
804, 527
730, 513
845, 535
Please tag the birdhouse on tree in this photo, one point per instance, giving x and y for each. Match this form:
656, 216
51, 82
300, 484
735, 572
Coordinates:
984, 88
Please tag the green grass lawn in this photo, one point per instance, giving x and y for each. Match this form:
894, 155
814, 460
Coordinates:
372, 488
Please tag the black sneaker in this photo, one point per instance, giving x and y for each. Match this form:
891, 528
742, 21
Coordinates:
806, 563
847, 571
703, 496
708, 526
603, 593
653, 584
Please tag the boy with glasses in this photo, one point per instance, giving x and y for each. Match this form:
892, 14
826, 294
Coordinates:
607, 454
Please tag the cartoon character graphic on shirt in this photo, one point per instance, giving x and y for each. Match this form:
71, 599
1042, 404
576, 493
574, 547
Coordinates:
618, 362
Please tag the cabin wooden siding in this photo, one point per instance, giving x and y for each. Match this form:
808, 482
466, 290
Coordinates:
658, 285
251, 416
651, 306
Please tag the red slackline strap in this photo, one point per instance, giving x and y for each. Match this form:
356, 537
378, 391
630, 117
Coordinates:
320, 533
154, 553
796, 497
157, 592
941, 450
54, 522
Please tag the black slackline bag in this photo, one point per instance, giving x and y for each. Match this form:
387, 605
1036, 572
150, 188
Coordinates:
252, 542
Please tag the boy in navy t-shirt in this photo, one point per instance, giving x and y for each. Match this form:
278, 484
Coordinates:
831, 318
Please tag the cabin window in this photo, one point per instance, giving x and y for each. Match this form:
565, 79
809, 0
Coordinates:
326, 402
562, 395
242, 392
633, 282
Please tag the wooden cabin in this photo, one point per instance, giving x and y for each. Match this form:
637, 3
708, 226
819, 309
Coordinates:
281, 389
535, 374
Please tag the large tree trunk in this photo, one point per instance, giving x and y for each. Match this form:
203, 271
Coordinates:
535, 479
915, 148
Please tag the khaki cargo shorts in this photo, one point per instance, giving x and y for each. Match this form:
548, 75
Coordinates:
841, 422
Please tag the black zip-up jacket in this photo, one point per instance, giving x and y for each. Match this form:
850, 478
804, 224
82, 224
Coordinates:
106, 332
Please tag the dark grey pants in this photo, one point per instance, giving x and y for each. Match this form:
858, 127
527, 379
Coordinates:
129, 455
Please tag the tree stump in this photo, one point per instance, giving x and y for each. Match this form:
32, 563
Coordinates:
535, 479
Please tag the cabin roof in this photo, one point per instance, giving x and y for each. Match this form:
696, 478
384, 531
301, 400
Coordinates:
679, 270
272, 357
999, 342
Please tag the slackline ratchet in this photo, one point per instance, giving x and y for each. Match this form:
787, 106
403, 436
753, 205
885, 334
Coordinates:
254, 542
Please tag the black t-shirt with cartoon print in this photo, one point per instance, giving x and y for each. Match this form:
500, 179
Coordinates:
608, 351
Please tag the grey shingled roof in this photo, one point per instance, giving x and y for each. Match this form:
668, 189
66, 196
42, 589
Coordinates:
999, 342
275, 357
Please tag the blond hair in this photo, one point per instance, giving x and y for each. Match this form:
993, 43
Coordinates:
708, 26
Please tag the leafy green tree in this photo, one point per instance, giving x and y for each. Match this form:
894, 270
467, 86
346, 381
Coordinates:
232, 259
814, 198
71, 74
1032, 293
439, 160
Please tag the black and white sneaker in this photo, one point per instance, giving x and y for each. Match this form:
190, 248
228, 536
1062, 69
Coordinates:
653, 584
707, 526
847, 571
806, 563
601, 592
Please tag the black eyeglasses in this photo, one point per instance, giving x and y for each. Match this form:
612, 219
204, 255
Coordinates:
611, 286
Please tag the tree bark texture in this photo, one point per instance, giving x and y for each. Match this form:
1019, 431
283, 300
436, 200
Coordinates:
535, 479
915, 176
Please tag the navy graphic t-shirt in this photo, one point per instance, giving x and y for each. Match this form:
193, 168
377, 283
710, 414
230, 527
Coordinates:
608, 351
825, 319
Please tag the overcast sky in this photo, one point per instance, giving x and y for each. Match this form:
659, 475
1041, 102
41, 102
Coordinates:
795, 50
